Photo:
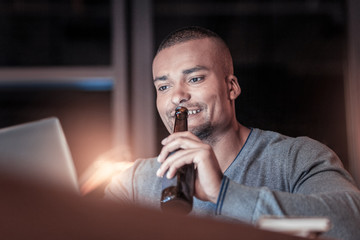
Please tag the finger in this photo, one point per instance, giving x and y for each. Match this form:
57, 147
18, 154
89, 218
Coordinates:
175, 161
181, 142
176, 165
175, 135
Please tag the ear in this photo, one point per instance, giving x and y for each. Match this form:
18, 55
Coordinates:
233, 87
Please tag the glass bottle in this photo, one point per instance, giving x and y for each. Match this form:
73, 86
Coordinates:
177, 193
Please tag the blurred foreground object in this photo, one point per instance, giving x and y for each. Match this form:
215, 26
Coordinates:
310, 227
103, 168
32, 212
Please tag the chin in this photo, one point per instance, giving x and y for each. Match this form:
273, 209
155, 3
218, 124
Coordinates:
204, 132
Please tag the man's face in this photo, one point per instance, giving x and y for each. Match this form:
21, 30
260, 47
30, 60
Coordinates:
191, 74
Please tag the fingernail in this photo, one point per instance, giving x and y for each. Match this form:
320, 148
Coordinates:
168, 175
158, 173
163, 141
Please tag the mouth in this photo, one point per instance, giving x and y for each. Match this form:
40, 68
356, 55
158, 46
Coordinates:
192, 112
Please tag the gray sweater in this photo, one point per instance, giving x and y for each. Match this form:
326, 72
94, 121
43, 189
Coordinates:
272, 175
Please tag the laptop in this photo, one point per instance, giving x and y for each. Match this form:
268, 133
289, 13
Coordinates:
37, 152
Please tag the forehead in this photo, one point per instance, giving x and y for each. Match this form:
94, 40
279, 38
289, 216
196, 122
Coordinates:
201, 52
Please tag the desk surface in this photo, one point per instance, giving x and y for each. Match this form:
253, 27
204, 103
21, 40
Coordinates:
31, 212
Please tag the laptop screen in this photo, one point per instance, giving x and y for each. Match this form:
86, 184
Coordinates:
38, 152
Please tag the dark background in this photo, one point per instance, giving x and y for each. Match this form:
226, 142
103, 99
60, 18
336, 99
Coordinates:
289, 58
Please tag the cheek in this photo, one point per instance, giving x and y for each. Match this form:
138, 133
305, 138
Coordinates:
161, 108
210, 95
218, 102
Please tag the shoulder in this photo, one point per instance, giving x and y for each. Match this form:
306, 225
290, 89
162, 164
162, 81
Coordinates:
266, 138
302, 143
299, 150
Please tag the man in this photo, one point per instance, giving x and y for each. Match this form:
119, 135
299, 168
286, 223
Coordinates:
242, 173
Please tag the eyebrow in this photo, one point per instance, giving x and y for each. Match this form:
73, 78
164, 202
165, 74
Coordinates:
185, 72
194, 69
162, 78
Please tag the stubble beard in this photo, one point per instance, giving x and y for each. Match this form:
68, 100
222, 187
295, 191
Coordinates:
205, 133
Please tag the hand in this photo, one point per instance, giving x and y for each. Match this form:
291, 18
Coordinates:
192, 150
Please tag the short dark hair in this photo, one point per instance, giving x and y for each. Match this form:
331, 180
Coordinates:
186, 34
193, 33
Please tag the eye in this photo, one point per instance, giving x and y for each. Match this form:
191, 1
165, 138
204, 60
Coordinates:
196, 79
163, 88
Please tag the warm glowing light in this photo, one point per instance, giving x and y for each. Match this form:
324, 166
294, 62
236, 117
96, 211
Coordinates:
102, 170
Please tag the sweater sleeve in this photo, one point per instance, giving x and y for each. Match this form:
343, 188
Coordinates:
320, 187
138, 184
120, 188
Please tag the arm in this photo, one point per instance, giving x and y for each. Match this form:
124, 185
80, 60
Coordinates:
120, 188
318, 186
138, 184
314, 182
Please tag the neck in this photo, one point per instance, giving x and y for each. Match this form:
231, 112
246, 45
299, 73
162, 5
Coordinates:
229, 145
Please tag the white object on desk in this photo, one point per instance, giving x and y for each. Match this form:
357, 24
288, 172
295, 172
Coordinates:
298, 226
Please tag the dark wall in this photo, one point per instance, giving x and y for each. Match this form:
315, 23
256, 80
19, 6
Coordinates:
84, 116
58, 33
288, 57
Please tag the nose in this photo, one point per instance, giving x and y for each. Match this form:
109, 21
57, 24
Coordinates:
180, 94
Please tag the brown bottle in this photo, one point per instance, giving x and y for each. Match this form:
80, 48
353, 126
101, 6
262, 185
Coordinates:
177, 193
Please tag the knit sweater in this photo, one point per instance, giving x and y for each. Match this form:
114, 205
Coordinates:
272, 175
